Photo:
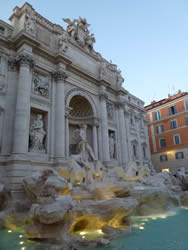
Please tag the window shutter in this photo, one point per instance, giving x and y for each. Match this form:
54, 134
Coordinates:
171, 124
186, 104
155, 115
174, 109
186, 120
162, 128
157, 129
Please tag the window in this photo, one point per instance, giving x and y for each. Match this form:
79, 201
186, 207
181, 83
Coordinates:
186, 104
172, 110
162, 142
163, 158
2, 30
176, 139
173, 124
186, 120
157, 115
179, 155
160, 128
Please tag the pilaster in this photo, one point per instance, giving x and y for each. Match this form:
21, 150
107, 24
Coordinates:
59, 77
95, 138
22, 114
122, 127
104, 122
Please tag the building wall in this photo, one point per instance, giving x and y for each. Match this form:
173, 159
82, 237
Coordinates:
165, 120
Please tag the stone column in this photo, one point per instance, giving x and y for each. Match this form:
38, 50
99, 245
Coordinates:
123, 139
67, 112
104, 123
95, 139
127, 125
140, 152
59, 77
22, 114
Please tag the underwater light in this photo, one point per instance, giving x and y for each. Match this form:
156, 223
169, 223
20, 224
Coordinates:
166, 169
23, 248
21, 242
142, 228
82, 233
20, 236
9, 231
100, 231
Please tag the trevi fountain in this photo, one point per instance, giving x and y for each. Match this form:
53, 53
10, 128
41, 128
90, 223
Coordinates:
75, 164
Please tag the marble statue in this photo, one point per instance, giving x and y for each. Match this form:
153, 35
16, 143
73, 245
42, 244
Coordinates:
110, 111
86, 152
78, 30
102, 70
90, 40
71, 27
37, 134
82, 23
63, 47
30, 23
41, 86
120, 79
112, 145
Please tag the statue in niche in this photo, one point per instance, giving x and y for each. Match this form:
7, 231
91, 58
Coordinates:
30, 22
120, 79
36, 135
110, 111
112, 146
63, 47
86, 152
41, 86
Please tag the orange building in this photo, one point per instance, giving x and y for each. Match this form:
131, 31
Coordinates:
168, 132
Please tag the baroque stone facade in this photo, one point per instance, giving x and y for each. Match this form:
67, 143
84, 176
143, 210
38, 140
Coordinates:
52, 83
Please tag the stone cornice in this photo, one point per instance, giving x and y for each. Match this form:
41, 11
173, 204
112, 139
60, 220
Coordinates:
23, 37
59, 75
40, 49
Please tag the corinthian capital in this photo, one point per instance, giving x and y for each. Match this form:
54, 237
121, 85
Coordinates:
59, 75
103, 96
12, 64
120, 105
25, 59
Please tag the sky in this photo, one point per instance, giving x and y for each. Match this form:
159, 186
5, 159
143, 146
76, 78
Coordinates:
147, 39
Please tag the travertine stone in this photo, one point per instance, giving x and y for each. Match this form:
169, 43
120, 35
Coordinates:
21, 129
83, 90
124, 148
104, 121
60, 77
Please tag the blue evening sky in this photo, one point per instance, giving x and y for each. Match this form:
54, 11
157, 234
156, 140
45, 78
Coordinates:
147, 39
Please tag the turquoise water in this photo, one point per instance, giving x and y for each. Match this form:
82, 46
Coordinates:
15, 240
169, 233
